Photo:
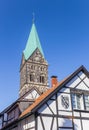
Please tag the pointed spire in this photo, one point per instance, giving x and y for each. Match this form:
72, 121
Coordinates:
33, 19
33, 43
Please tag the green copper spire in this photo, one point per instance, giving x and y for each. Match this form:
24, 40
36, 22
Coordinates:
33, 43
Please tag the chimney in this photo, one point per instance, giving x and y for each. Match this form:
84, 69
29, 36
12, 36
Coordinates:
54, 81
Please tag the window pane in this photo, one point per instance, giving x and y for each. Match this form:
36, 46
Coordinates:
77, 101
78, 97
42, 80
86, 97
74, 100
31, 77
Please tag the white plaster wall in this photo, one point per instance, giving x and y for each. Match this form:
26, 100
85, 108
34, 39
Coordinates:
32, 95
64, 122
85, 124
55, 124
66, 90
65, 113
35, 94
81, 75
85, 114
73, 82
60, 107
47, 122
86, 80
76, 114
77, 124
27, 123
82, 86
52, 105
45, 110
29, 96
39, 125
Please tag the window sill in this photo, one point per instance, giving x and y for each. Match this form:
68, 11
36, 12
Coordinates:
77, 110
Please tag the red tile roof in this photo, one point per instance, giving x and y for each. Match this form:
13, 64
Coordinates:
40, 99
49, 91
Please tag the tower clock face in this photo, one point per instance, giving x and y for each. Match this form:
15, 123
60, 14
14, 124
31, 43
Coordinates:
65, 101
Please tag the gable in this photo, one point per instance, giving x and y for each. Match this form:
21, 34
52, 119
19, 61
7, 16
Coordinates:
49, 107
79, 81
32, 95
37, 57
81, 75
28, 99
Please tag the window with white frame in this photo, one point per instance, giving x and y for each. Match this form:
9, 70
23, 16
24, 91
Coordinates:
77, 101
80, 101
86, 99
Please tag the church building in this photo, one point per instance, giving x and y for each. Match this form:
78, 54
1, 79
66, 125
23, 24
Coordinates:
62, 106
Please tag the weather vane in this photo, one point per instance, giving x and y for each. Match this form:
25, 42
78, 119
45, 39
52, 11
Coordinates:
33, 19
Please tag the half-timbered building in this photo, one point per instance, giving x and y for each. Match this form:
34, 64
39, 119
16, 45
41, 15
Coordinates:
62, 106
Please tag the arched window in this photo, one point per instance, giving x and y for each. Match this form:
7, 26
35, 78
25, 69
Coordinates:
41, 68
32, 67
42, 80
31, 77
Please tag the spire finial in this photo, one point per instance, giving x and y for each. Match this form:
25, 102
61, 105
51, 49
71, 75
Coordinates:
33, 19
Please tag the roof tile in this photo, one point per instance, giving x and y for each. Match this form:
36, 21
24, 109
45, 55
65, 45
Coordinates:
40, 99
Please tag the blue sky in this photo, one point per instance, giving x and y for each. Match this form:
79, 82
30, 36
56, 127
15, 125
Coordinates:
63, 28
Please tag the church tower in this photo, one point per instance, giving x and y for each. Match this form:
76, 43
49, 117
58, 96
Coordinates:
34, 67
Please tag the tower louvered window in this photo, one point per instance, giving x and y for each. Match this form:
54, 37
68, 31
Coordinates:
42, 79
31, 77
